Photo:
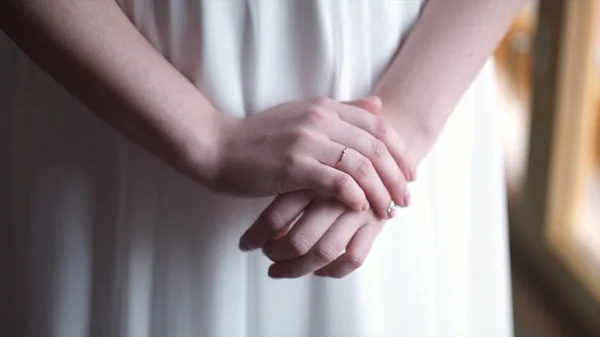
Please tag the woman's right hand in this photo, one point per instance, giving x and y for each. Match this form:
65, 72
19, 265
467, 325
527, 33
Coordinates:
300, 145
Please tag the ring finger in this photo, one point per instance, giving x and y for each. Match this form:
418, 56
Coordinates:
377, 152
361, 170
327, 249
379, 128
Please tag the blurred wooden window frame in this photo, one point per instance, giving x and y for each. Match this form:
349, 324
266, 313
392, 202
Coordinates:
562, 125
573, 142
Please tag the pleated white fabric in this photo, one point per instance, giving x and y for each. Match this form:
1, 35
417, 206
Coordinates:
114, 243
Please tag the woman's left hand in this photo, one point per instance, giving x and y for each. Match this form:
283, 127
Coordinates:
317, 241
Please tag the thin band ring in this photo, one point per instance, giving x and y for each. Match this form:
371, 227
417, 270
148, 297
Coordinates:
344, 152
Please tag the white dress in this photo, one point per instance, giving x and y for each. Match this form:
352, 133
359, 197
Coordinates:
107, 241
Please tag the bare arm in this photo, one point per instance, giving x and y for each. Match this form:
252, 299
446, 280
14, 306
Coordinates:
96, 53
438, 61
92, 49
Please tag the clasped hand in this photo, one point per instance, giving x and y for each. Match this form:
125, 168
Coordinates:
338, 169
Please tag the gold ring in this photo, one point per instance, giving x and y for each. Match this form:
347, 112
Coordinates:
344, 152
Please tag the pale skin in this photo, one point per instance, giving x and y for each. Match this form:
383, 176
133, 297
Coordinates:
442, 54
93, 50
130, 85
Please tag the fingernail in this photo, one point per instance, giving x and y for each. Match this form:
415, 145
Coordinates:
412, 175
406, 199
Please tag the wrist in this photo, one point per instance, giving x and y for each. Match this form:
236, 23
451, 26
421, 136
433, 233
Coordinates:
418, 132
203, 150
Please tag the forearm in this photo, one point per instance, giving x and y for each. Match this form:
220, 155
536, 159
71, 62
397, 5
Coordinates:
93, 50
438, 61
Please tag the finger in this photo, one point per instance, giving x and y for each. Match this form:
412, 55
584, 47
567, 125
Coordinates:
384, 164
364, 172
327, 249
328, 181
371, 104
378, 127
311, 226
277, 217
375, 171
356, 253
374, 105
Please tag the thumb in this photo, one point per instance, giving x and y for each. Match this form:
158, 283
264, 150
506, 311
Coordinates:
372, 104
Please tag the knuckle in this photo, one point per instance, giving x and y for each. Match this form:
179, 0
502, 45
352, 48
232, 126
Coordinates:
342, 183
379, 149
399, 143
316, 115
382, 128
355, 260
325, 254
365, 167
301, 135
299, 244
291, 163
274, 221
322, 100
